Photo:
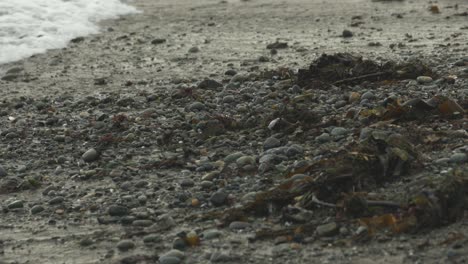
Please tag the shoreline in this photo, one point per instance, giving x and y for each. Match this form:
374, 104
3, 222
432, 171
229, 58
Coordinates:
128, 146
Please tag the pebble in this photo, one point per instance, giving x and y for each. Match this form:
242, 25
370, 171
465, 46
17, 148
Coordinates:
347, 33
152, 238
245, 160
125, 245
90, 155
209, 84
169, 260
56, 200
187, 183
424, 79
339, 131
219, 198
270, 143
233, 157
196, 106
328, 229
368, 95
219, 257
142, 222
117, 210
458, 158
324, 137
175, 253
179, 244
3, 172
206, 184
212, 234
37, 209
194, 49
15, 204
230, 72
238, 225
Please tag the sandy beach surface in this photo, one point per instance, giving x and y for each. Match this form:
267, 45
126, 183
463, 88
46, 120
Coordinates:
113, 147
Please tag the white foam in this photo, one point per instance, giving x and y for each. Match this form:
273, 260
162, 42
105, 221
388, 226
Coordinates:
28, 27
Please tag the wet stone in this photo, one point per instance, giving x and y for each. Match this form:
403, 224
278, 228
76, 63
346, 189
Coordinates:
245, 160
179, 244
219, 198
126, 245
117, 210
15, 204
153, 238
270, 143
324, 137
169, 260
90, 155
212, 234
56, 200
3, 172
368, 95
458, 158
424, 79
347, 33
239, 225
143, 223
339, 131
329, 229
233, 157
187, 183
196, 106
37, 209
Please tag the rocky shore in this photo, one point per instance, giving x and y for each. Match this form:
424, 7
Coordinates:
217, 131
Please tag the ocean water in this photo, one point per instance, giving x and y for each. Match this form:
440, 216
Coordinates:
28, 27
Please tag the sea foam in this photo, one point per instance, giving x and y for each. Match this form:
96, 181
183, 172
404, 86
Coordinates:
28, 27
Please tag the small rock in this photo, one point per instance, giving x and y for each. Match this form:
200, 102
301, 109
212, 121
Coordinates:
245, 160
194, 49
3, 172
219, 257
339, 131
158, 41
212, 234
117, 210
85, 242
458, 158
209, 84
153, 238
142, 222
238, 225
15, 204
37, 209
219, 198
169, 260
368, 95
196, 106
175, 253
179, 244
329, 229
233, 157
347, 33
187, 183
324, 137
424, 79
90, 155
270, 143
230, 72
56, 200
125, 245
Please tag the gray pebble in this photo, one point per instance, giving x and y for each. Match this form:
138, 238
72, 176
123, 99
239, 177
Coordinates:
328, 229
233, 157
196, 106
56, 200
424, 79
245, 160
142, 222
212, 234
117, 210
169, 260
339, 131
187, 183
153, 238
219, 198
324, 137
270, 143
90, 155
3, 172
125, 245
37, 209
15, 204
458, 158
368, 95
238, 225
179, 244
194, 49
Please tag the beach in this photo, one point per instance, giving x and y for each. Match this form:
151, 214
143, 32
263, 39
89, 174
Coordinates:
116, 148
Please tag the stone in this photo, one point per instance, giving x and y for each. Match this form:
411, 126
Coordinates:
15, 204
329, 229
37, 209
152, 238
339, 131
324, 137
368, 95
196, 106
209, 84
158, 41
424, 79
179, 244
175, 253
169, 260
245, 160
117, 210
126, 245
239, 225
90, 155
211, 234
194, 49
458, 158
347, 33
3, 172
142, 222
233, 157
56, 200
270, 143
219, 198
